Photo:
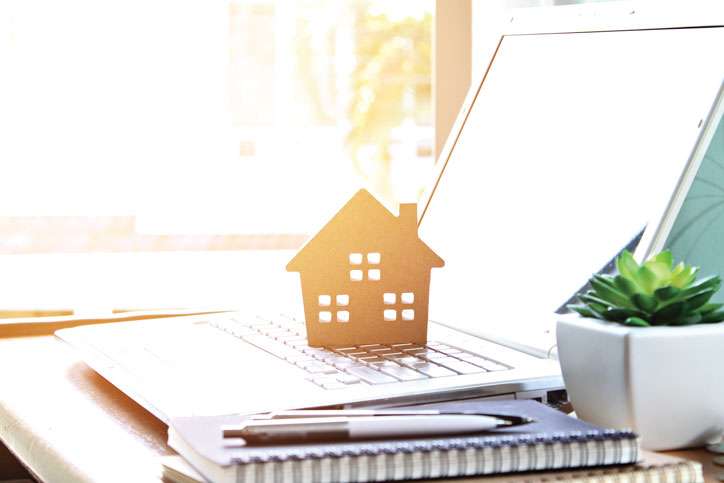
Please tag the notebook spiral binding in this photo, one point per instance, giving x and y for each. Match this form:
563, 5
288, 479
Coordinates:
442, 458
373, 449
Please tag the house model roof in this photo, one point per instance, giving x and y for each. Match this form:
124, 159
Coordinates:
363, 221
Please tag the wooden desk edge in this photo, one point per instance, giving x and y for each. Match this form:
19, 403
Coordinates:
39, 326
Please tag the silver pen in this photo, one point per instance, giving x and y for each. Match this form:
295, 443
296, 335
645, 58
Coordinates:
329, 413
303, 430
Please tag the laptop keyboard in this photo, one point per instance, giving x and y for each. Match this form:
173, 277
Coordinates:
340, 367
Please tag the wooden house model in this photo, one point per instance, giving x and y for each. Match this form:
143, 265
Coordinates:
366, 276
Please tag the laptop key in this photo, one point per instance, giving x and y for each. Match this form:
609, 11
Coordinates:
259, 323
410, 361
432, 370
328, 382
299, 343
371, 359
348, 379
431, 355
241, 331
370, 375
302, 361
413, 349
459, 366
494, 366
315, 352
316, 367
270, 345
345, 350
340, 362
394, 355
277, 333
446, 349
288, 336
425, 353
355, 355
383, 351
486, 364
402, 373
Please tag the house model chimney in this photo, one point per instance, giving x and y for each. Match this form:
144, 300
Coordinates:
408, 217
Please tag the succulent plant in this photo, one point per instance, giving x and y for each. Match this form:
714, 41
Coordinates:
654, 293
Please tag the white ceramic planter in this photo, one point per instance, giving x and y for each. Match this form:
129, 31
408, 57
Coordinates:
665, 383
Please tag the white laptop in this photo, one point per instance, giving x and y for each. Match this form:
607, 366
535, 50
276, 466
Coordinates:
577, 131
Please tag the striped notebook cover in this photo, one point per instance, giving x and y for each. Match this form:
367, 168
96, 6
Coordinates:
554, 441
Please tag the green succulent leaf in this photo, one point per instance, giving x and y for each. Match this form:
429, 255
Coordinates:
666, 293
646, 303
615, 315
582, 310
636, 322
678, 268
690, 320
713, 317
700, 298
592, 299
685, 277
619, 315
646, 279
669, 313
626, 265
711, 282
661, 271
598, 312
605, 278
710, 307
610, 293
625, 285
666, 258
655, 292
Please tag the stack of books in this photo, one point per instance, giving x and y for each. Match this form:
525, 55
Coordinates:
554, 447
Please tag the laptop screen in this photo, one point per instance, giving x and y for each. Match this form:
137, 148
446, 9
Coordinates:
698, 229
571, 144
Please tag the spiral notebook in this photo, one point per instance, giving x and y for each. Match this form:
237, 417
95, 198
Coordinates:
554, 441
652, 467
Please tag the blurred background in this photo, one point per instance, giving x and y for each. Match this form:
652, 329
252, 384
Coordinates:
145, 143
182, 125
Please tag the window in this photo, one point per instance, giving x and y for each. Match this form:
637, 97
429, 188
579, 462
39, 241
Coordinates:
406, 299
267, 101
373, 274
341, 302
374, 258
